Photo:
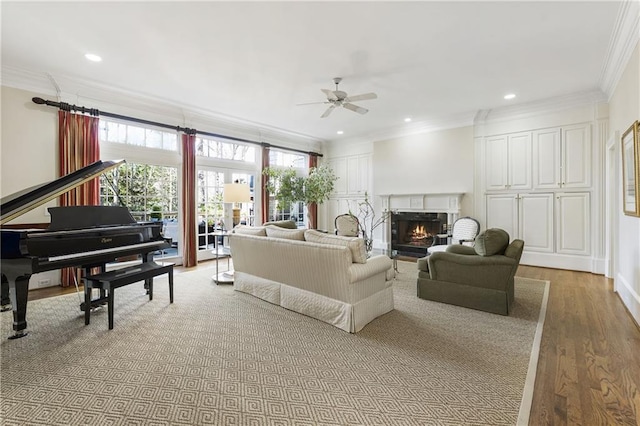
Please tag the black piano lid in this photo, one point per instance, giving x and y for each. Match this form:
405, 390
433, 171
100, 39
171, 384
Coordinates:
28, 199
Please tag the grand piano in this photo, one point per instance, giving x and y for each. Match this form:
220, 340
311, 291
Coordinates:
78, 236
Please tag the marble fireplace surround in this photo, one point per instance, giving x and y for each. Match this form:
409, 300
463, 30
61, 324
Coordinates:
448, 203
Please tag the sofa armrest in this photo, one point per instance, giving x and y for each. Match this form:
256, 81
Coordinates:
423, 264
374, 265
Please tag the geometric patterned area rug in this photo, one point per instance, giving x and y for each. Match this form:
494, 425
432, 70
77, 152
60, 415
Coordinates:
216, 356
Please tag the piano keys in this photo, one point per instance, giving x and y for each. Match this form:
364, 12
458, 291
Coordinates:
79, 236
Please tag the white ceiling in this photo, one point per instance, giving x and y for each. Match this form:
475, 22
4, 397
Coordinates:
257, 60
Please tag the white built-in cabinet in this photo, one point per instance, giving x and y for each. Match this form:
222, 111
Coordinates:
339, 166
546, 222
538, 188
353, 174
353, 182
528, 217
573, 223
562, 157
508, 161
358, 174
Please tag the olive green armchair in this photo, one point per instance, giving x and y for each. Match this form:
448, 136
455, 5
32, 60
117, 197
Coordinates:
479, 277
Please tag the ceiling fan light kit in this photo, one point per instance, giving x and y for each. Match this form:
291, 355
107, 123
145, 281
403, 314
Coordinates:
338, 98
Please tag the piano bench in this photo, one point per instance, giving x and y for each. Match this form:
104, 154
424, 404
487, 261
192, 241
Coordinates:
111, 280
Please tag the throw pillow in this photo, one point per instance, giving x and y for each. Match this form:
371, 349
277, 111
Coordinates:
491, 242
250, 230
289, 224
355, 244
288, 234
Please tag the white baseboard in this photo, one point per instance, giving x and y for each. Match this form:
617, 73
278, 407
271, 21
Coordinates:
560, 261
629, 297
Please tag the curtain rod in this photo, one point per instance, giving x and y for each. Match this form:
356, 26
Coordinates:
94, 112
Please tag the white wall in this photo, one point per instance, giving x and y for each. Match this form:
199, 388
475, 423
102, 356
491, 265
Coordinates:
28, 149
437, 162
624, 107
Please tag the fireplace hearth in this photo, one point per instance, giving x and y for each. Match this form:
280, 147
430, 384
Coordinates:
412, 233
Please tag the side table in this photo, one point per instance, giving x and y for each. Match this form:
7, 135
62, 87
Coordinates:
222, 251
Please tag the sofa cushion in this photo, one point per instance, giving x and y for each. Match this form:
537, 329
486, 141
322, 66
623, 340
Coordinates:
250, 230
491, 242
289, 224
288, 234
355, 244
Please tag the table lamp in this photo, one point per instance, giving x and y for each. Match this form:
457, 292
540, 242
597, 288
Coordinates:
236, 193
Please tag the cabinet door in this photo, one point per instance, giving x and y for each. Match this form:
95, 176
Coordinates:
519, 161
536, 222
496, 160
502, 212
353, 174
339, 166
364, 162
572, 217
576, 156
546, 159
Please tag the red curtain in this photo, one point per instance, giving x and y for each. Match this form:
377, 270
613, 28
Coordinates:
189, 249
264, 195
312, 208
78, 146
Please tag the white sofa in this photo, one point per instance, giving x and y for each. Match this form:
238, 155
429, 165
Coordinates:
314, 274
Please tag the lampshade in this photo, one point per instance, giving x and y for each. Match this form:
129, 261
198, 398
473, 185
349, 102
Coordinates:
236, 193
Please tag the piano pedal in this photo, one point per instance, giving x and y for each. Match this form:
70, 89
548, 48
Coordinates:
5, 308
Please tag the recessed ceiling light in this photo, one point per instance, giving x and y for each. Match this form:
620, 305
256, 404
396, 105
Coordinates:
407, 120
510, 96
340, 132
92, 57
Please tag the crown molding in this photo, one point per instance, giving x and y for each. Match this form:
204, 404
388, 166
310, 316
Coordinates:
453, 121
544, 106
624, 39
75, 90
36, 82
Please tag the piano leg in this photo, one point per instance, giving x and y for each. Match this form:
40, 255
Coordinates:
5, 301
18, 293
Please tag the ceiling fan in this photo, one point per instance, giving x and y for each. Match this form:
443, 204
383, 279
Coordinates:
338, 98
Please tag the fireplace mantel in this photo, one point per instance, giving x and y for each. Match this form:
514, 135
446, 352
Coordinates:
448, 203
432, 203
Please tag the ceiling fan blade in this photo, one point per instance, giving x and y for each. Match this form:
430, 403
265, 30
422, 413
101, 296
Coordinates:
330, 95
312, 103
355, 108
328, 111
363, 97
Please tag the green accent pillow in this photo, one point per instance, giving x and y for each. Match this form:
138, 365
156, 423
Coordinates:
491, 242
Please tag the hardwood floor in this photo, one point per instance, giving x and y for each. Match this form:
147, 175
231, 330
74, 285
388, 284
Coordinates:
589, 365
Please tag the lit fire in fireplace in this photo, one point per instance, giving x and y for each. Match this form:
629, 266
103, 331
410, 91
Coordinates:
419, 234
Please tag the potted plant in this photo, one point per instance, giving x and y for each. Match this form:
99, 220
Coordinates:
289, 188
156, 213
368, 219
317, 188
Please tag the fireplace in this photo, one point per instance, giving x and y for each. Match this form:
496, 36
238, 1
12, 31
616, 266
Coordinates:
413, 232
